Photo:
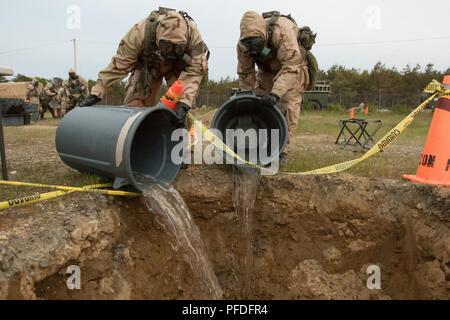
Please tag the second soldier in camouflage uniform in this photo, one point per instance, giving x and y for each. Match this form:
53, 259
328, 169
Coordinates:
48, 100
61, 98
272, 44
33, 94
76, 90
166, 45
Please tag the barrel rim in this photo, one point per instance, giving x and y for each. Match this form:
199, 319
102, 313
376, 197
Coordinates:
131, 133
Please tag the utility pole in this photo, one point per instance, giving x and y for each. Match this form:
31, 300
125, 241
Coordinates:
74, 53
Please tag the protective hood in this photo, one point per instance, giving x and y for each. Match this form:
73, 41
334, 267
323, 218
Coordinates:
253, 25
172, 27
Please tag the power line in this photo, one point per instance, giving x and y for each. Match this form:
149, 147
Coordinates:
35, 47
97, 42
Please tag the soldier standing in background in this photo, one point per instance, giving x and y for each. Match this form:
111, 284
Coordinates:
166, 45
61, 98
76, 90
274, 43
48, 100
33, 94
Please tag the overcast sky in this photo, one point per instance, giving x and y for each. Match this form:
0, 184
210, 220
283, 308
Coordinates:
341, 26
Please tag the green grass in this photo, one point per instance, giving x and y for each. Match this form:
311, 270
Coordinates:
32, 155
325, 122
402, 157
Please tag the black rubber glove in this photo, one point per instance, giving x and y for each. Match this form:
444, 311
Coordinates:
181, 109
270, 100
90, 101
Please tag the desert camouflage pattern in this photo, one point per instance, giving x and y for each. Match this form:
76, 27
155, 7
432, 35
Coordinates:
62, 98
172, 27
75, 90
285, 75
33, 94
48, 100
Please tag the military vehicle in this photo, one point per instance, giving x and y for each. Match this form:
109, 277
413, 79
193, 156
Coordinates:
318, 98
15, 111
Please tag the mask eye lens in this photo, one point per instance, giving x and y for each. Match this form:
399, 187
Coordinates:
165, 47
171, 51
253, 45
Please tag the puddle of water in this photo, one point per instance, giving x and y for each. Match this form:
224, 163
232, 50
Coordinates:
246, 180
174, 215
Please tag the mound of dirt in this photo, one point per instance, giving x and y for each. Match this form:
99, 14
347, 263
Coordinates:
314, 238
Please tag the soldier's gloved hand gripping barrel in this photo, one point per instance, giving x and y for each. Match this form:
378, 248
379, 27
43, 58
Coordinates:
247, 111
122, 143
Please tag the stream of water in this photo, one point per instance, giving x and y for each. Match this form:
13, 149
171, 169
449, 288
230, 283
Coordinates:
175, 216
246, 180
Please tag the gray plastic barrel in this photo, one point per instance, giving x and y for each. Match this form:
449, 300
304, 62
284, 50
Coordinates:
246, 111
122, 143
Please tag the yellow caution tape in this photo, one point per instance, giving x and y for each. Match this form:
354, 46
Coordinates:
67, 188
43, 196
437, 90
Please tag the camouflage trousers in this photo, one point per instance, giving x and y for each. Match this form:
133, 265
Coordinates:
150, 98
63, 106
36, 102
47, 107
290, 103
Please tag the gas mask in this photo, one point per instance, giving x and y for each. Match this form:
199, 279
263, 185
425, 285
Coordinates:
170, 51
253, 45
256, 48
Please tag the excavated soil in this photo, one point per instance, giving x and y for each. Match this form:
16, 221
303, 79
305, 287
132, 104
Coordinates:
314, 238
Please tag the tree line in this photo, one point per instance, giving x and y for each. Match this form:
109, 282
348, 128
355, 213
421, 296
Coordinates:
382, 86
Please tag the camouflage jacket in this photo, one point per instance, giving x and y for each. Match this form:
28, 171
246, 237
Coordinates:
173, 27
76, 87
32, 91
289, 60
47, 94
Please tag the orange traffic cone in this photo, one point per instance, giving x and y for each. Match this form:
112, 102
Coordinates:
434, 166
352, 113
172, 95
366, 110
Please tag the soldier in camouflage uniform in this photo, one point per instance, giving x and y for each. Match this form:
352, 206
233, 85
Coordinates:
61, 98
48, 100
166, 45
33, 94
272, 43
76, 90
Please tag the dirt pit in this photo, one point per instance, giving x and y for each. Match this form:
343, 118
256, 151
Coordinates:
314, 238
